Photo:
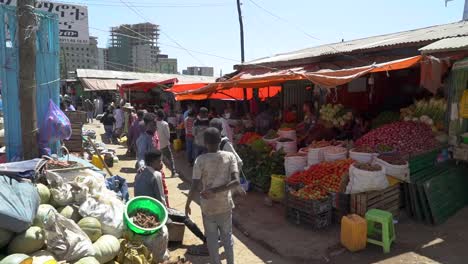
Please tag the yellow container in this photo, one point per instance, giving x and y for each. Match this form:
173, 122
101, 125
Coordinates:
97, 162
177, 144
277, 187
353, 232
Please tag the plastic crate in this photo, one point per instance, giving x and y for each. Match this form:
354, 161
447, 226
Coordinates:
312, 207
422, 161
318, 221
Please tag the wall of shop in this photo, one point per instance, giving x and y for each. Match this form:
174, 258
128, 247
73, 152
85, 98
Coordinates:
296, 92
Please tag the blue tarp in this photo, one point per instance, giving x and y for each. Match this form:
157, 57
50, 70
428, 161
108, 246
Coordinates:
47, 73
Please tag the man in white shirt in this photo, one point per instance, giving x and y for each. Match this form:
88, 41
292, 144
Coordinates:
217, 174
119, 121
164, 135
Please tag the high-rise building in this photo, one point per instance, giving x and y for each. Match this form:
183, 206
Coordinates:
103, 59
134, 47
201, 71
78, 56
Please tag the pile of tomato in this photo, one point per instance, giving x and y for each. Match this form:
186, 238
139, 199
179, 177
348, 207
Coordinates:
311, 192
327, 175
249, 137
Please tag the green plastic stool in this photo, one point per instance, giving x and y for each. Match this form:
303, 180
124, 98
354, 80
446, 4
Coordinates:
387, 232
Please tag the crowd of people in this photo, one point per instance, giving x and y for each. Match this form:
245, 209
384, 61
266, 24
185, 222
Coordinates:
209, 145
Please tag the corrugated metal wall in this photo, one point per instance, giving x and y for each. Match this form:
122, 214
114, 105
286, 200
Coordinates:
47, 73
295, 92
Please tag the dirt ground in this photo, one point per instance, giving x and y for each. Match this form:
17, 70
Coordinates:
262, 235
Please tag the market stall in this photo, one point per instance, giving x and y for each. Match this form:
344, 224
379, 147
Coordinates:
373, 138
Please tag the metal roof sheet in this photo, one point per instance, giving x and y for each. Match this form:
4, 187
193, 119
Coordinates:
121, 75
446, 45
432, 33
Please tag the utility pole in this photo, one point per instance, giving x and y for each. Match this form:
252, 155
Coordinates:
241, 26
465, 11
27, 77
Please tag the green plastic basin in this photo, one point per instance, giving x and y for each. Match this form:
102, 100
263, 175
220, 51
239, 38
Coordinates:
147, 203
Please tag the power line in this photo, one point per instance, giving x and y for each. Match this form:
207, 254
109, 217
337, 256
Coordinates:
169, 37
168, 45
150, 5
282, 19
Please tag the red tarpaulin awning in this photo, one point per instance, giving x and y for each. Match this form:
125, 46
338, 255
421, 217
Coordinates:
325, 78
228, 94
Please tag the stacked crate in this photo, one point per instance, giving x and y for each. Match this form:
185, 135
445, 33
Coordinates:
387, 199
77, 120
316, 214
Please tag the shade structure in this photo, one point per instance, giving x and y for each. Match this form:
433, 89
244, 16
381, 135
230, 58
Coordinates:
143, 86
231, 94
264, 77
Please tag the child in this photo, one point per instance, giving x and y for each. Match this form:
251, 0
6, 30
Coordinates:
149, 182
217, 174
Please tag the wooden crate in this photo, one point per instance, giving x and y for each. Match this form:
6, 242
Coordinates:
76, 116
387, 199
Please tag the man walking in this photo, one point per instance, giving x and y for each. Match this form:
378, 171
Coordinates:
89, 108
164, 135
217, 174
199, 127
188, 124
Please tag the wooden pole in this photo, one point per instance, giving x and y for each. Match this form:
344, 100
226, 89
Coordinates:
27, 77
241, 26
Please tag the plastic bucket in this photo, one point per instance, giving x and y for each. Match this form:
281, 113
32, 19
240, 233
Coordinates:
314, 156
288, 147
277, 188
271, 142
147, 203
177, 144
287, 134
335, 156
294, 164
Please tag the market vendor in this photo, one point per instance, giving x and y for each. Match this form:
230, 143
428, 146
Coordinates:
264, 122
305, 127
290, 115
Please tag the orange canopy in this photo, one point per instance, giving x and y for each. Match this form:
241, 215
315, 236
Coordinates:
227, 94
325, 78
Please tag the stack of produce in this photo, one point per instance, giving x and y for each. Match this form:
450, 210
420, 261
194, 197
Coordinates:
328, 175
249, 137
335, 115
430, 112
260, 164
310, 192
37, 243
406, 137
272, 134
385, 118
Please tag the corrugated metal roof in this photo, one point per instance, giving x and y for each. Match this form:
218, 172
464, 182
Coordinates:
446, 45
121, 75
406, 37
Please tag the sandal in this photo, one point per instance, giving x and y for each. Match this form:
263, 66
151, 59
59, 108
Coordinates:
200, 250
